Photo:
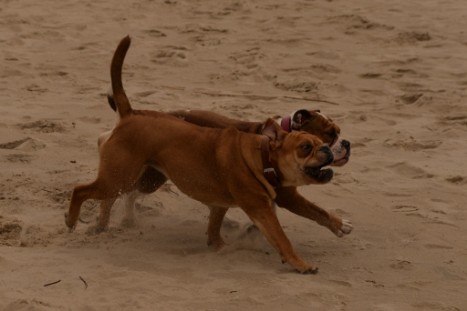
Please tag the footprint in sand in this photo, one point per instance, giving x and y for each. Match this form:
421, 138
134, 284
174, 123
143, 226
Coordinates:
410, 98
411, 144
171, 55
457, 119
28, 304
353, 22
10, 232
370, 75
404, 209
457, 180
321, 71
91, 120
410, 37
245, 111
44, 126
19, 158
297, 86
25, 144
36, 88
155, 33
402, 265
409, 170
249, 59
35, 235
399, 73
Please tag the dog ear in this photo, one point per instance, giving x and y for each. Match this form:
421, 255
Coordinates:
300, 117
273, 130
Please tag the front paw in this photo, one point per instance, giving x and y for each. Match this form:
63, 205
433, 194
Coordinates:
345, 228
71, 226
216, 243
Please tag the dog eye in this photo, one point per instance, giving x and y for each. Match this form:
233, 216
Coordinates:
307, 148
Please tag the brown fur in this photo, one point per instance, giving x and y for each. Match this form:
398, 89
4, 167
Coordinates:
199, 161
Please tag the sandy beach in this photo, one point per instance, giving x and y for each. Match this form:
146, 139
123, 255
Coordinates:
392, 75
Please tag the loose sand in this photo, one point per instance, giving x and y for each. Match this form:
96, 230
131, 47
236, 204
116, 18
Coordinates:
392, 74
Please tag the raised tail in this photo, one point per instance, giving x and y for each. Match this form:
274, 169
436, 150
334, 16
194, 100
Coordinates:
110, 99
119, 97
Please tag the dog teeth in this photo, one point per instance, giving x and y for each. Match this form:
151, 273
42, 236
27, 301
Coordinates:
319, 174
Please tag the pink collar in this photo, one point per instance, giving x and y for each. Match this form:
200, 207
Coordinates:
286, 123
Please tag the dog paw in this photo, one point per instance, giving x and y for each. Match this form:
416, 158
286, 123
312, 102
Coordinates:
346, 228
69, 224
311, 270
216, 244
308, 270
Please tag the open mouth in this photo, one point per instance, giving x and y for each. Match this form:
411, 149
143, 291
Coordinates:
341, 153
341, 161
319, 174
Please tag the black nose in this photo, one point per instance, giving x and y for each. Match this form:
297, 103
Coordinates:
346, 145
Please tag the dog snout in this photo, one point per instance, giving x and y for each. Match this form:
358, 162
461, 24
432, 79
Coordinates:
327, 155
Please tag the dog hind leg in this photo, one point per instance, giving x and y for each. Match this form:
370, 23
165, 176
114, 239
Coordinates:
114, 178
80, 194
216, 217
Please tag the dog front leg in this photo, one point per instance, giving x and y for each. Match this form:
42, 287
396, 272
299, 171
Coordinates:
266, 220
290, 199
216, 217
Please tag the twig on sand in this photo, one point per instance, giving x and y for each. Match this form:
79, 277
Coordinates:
85, 283
53, 283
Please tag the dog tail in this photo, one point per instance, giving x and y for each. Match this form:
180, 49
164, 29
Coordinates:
110, 99
119, 98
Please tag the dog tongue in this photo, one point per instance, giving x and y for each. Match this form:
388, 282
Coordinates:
340, 162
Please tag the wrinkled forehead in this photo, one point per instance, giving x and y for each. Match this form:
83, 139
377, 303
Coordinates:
321, 115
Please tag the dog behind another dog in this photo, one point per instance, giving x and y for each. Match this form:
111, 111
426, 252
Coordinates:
222, 168
311, 121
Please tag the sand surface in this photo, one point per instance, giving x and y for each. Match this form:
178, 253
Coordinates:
392, 74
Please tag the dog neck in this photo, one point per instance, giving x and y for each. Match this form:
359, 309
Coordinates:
269, 170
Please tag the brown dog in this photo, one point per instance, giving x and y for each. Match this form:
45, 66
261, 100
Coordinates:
311, 121
199, 161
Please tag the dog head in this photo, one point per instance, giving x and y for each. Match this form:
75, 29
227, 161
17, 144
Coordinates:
300, 157
318, 124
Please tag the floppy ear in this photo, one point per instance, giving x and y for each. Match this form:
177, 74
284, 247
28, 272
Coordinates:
300, 117
273, 131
